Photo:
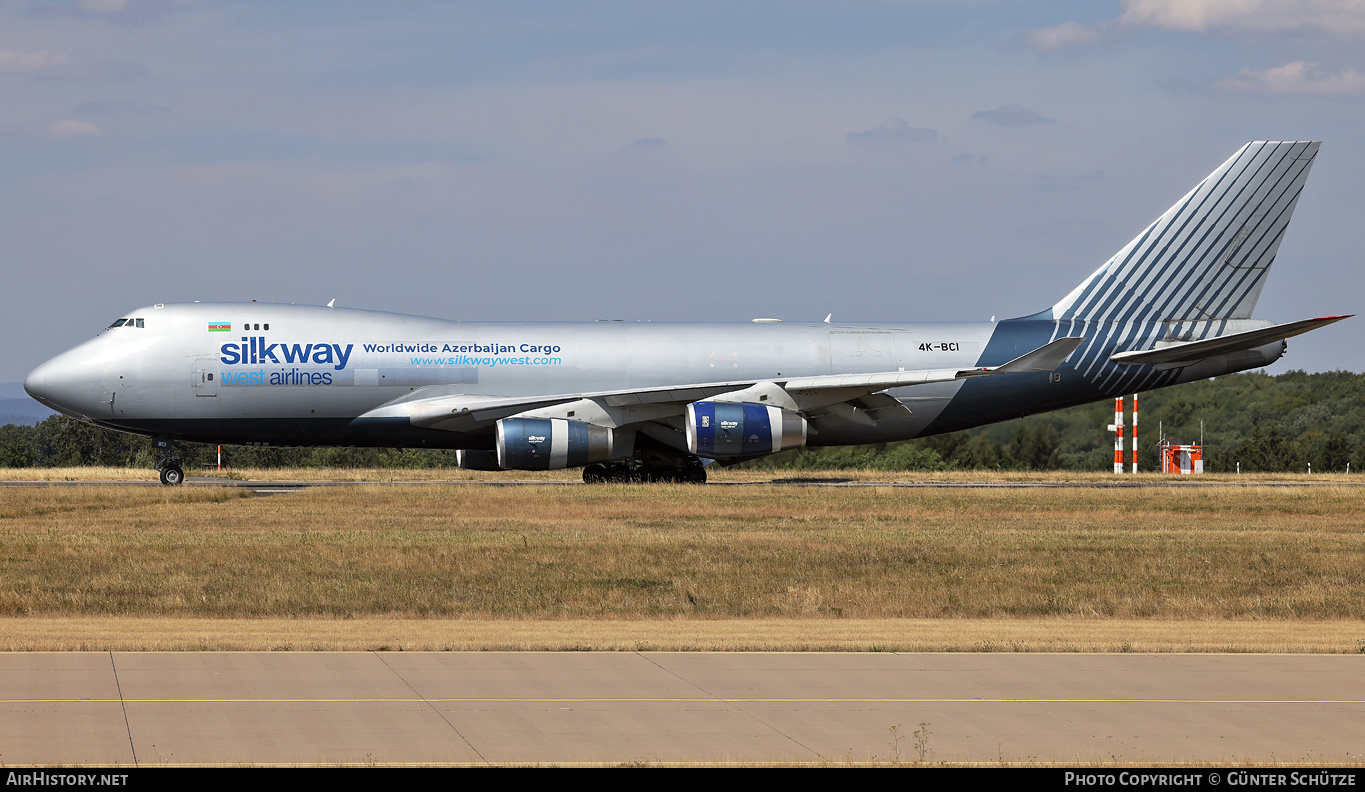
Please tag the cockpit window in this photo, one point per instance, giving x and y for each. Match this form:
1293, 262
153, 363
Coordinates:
117, 323
139, 323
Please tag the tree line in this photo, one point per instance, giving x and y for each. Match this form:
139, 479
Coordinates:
1260, 422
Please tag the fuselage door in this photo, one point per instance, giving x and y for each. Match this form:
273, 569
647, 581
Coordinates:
204, 379
108, 395
861, 350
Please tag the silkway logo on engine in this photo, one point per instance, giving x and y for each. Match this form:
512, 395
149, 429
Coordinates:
256, 352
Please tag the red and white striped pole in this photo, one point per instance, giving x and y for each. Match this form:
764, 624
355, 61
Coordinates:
1118, 435
1134, 433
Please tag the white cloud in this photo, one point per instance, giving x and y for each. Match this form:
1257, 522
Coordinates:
1297, 77
1012, 115
1067, 34
1342, 17
69, 128
116, 11
1334, 17
895, 129
40, 63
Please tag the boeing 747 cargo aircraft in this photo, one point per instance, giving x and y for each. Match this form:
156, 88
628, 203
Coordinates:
650, 401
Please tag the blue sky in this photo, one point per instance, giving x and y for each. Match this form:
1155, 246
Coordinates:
909, 161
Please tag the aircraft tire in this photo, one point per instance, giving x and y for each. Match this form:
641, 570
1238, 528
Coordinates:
595, 474
616, 473
172, 476
658, 474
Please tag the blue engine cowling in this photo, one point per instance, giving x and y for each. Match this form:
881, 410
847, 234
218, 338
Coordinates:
550, 443
740, 429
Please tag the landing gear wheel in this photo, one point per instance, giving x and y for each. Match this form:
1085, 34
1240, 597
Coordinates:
169, 464
595, 474
667, 474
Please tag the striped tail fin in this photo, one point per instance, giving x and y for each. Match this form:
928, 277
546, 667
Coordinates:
1206, 257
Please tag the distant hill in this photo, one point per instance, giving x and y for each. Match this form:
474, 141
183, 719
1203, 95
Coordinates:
17, 407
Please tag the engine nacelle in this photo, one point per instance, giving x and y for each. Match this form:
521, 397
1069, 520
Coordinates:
735, 429
476, 460
551, 443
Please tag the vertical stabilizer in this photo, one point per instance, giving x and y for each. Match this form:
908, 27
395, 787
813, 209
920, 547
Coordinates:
1207, 257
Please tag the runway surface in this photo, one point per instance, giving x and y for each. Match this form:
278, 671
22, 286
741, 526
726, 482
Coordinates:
565, 708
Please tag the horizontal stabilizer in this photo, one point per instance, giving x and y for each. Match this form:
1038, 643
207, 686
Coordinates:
1043, 359
1194, 351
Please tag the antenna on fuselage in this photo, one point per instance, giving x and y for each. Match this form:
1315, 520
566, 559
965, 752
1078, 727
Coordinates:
829, 317
331, 302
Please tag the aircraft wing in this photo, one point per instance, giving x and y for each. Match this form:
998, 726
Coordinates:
464, 412
1195, 351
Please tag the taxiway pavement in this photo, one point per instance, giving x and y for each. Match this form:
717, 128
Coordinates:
694, 707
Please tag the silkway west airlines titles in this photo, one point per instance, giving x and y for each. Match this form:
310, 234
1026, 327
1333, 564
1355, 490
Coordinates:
651, 401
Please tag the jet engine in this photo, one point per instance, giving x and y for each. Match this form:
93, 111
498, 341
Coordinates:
476, 460
738, 429
551, 443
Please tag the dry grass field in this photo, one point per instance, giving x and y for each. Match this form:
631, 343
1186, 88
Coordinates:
1255, 568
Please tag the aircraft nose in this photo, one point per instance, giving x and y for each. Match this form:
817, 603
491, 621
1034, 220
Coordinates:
68, 383
36, 383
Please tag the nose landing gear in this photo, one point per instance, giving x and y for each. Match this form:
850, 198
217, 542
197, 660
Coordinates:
169, 465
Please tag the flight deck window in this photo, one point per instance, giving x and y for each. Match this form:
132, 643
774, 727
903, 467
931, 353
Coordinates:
117, 323
139, 323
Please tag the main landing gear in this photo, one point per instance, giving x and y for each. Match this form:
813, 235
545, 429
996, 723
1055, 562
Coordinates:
654, 467
169, 465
